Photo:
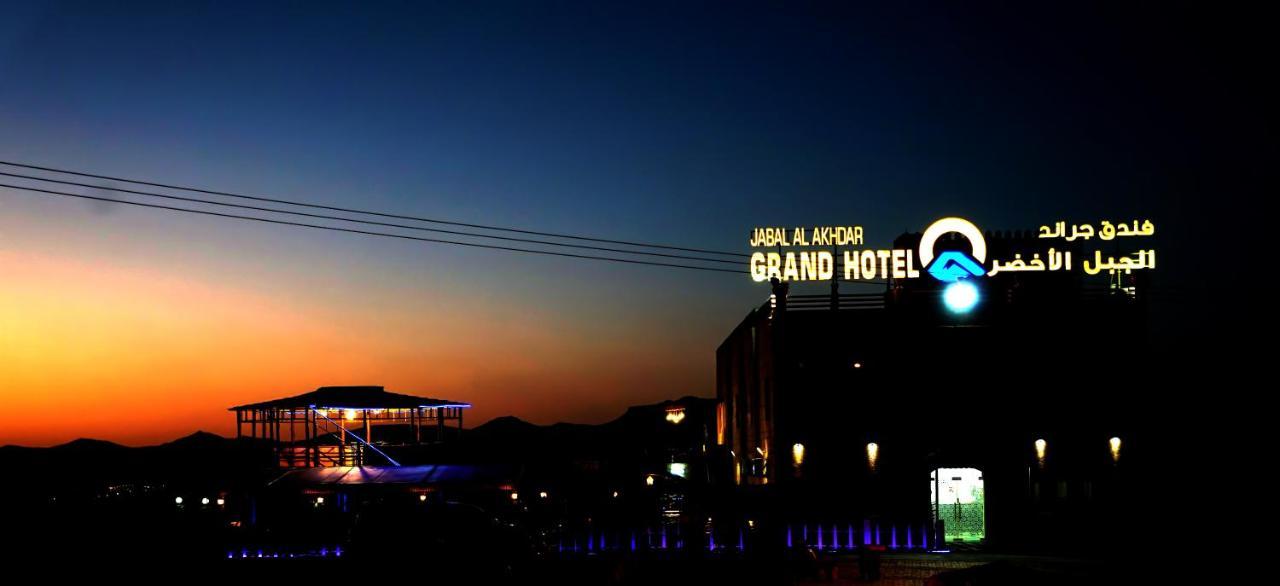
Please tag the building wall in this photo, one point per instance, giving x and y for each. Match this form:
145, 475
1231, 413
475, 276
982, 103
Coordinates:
1037, 361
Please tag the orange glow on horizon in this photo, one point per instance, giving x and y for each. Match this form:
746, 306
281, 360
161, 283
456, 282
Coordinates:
91, 348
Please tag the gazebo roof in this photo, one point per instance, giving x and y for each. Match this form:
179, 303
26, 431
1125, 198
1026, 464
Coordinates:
363, 397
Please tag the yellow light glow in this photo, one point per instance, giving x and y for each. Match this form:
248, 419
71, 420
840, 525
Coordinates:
857, 365
648, 480
542, 494
422, 498
319, 500
1115, 449
1041, 448
873, 455
675, 414
720, 424
349, 414
797, 455
515, 496
221, 502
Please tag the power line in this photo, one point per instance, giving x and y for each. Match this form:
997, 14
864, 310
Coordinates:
368, 232
370, 213
382, 234
368, 222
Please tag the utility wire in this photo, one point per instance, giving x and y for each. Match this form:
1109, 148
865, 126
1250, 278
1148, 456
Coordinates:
369, 212
368, 222
367, 232
48, 192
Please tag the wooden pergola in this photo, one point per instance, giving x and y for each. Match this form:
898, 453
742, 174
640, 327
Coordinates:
333, 426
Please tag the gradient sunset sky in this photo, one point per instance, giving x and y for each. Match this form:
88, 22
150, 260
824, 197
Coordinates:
654, 122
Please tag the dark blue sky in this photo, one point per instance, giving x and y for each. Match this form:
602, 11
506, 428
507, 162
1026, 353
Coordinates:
650, 121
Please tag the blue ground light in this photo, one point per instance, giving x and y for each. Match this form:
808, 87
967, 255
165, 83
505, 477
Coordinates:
960, 297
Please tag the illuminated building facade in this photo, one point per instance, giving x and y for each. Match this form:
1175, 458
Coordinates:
994, 413
334, 426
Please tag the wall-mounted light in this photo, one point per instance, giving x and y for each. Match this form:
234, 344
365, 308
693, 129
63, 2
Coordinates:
873, 455
649, 480
960, 297
1115, 449
515, 496
797, 455
1042, 447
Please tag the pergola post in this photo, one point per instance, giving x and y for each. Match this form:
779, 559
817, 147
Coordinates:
417, 425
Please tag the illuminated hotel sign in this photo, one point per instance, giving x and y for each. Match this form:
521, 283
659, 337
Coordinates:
817, 262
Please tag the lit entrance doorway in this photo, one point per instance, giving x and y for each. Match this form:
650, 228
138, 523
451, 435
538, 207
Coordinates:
959, 502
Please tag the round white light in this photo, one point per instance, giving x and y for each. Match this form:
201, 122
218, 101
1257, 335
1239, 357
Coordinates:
177, 500
204, 501
960, 297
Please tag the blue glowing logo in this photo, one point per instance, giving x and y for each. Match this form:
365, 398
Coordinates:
953, 265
